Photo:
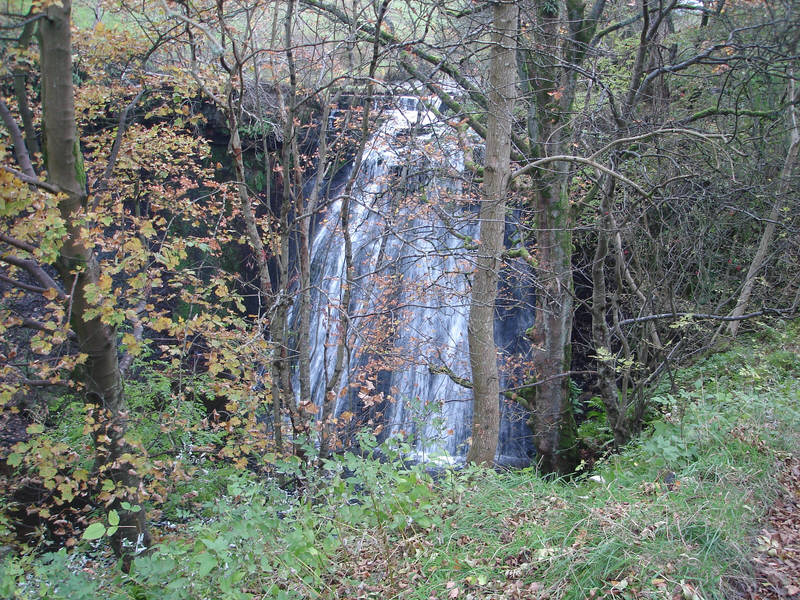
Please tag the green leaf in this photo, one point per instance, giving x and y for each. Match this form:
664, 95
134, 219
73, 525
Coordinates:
14, 459
134, 508
423, 521
94, 531
111, 530
113, 518
205, 564
35, 428
47, 472
218, 545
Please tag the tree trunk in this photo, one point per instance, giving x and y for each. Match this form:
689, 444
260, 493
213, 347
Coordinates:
549, 88
21, 91
79, 269
616, 409
480, 332
793, 118
553, 423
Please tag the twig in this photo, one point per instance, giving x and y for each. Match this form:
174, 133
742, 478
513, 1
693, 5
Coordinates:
779, 312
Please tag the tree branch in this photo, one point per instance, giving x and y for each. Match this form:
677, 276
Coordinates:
786, 313
23, 22
737, 112
445, 370
580, 160
138, 331
638, 138
20, 149
36, 271
21, 285
102, 182
34, 181
34, 324
11, 241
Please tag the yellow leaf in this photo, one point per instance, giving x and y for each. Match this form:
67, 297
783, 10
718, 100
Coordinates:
161, 324
214, 368
147, 230
104, 282
132, 344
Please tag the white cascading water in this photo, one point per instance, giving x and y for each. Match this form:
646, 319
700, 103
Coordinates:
410, 279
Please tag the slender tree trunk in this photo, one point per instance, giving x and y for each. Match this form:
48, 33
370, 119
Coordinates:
79, 269
21, 92
601, 332
301, 413
480, 332
550, 89
793, 118
307, 210
304, 306
342, 348
552, 420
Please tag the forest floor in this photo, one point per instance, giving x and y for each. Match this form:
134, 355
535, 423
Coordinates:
777, 564
705, 505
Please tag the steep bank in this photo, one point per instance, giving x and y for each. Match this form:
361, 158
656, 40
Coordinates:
694, 509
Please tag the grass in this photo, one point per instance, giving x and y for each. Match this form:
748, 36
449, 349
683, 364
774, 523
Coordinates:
674, 515
637, 534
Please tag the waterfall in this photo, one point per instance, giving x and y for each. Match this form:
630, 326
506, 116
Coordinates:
410, 304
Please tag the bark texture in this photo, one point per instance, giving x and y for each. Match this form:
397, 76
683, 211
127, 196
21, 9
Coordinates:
78, 268
549, 88
480, 333
553, 424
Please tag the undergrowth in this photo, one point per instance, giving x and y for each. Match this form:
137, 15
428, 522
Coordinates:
674, 515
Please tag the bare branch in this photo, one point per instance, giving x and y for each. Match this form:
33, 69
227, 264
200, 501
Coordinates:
580, 160
36, 271
21, 151
24, 22
709, 137
35, 181
785, 313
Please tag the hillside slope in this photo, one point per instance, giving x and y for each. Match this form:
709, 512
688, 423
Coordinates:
704, 505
